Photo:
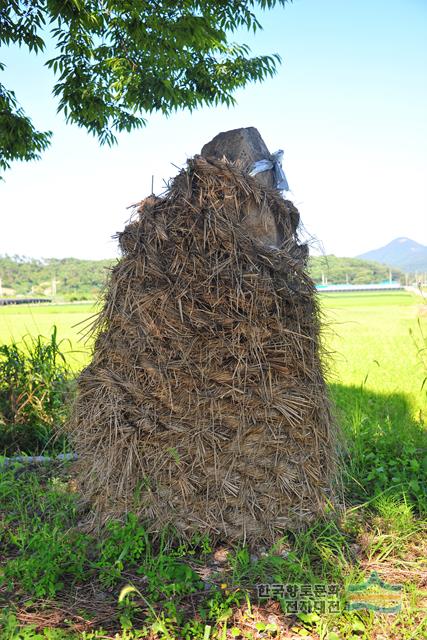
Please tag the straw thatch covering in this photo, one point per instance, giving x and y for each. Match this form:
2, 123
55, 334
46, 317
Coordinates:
204, 406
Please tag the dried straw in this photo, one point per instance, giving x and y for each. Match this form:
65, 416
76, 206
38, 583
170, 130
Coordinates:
204, 406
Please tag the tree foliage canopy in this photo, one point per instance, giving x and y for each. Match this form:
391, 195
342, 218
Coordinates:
120, 59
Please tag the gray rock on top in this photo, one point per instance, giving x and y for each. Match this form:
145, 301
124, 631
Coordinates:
244, 146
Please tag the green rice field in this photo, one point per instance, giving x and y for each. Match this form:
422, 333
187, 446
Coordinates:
368, 335
374, 340
72, 320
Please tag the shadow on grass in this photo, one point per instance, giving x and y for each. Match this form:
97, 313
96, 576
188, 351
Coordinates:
386, 445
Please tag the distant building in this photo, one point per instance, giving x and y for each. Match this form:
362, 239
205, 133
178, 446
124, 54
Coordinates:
380, 286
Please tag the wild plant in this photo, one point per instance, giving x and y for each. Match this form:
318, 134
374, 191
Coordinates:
35, 388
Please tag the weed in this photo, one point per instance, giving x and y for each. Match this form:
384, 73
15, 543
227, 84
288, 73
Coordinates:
47, 557
129, 545
125, 544
395, 514
35, 386
419, 340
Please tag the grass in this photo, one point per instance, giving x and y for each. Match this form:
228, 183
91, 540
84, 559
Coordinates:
55, 576
36, 387
57, 582
355, 321
369, 334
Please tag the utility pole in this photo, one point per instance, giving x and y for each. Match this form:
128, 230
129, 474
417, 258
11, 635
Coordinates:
1, 289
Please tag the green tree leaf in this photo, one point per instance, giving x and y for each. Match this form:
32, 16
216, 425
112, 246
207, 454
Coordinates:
117, 61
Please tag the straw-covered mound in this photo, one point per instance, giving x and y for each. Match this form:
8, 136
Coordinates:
204, 406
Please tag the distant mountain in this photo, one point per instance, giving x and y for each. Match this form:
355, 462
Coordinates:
402, 253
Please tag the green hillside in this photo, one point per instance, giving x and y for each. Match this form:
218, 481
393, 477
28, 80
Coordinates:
83, 279
75, 279
351, 270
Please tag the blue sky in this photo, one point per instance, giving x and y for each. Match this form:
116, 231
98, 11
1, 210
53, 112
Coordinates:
348, 106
